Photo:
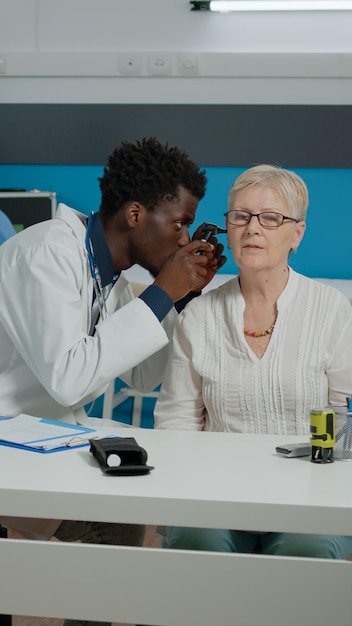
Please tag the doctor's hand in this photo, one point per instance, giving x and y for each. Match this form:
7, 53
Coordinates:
216, 258
188, 270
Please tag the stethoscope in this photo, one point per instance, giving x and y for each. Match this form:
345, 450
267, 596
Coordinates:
94, 270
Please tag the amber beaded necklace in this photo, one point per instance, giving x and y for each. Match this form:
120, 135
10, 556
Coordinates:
259, 333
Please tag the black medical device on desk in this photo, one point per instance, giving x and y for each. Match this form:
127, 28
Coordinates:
120, 456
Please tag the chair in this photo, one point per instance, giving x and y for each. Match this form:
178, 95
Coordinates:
7, 229
112, 400
5, 620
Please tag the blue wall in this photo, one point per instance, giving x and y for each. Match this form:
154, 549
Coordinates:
325, 251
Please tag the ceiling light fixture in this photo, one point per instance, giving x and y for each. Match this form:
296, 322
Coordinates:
224, 6
201, 5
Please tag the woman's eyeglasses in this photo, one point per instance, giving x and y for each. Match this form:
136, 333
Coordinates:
267, 219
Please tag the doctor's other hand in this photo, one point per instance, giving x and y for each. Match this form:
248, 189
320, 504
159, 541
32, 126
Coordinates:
188, 269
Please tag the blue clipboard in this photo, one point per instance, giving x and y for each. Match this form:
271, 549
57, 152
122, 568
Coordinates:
35, 434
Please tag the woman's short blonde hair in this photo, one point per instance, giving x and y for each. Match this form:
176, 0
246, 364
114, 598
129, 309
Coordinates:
287, 183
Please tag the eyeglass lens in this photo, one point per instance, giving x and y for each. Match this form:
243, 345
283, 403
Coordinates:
268, 219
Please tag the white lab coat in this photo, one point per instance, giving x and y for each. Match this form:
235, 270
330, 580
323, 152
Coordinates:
49, 365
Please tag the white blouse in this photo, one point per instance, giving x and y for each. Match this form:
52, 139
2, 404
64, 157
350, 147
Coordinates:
214, 381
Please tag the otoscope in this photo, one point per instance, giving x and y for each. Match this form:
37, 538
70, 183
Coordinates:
208, 230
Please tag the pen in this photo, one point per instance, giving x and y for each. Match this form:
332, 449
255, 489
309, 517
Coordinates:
79, 441
73, 444
61, 445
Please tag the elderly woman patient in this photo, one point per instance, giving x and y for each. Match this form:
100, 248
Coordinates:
258, 353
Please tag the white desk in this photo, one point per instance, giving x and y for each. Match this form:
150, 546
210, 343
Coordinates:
200, 479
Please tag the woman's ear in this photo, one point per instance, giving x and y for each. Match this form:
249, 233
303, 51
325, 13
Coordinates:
298, 235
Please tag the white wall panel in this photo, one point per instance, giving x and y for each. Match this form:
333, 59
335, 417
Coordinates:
181, 91
254, 58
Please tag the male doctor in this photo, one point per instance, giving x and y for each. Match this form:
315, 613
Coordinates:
69, 323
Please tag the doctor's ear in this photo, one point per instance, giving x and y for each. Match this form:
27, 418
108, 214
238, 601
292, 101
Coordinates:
134, 212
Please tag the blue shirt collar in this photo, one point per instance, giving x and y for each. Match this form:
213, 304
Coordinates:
102, 253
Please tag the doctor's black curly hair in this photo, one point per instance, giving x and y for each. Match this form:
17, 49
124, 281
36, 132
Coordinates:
147, 172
